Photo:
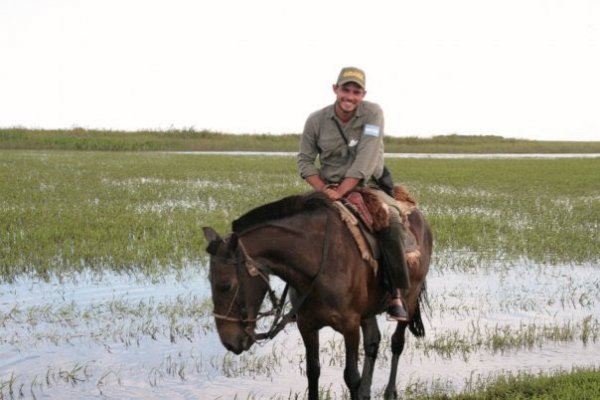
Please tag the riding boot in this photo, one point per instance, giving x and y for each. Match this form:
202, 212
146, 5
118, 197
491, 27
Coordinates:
392, 250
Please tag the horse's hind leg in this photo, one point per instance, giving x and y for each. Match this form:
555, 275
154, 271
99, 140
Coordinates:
371, 339
397, 347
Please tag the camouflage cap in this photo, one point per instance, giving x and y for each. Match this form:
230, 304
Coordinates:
352, 74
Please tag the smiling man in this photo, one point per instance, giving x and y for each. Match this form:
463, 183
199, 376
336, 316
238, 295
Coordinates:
347, 139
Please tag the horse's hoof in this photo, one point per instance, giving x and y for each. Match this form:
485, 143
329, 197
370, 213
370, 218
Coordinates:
390, 395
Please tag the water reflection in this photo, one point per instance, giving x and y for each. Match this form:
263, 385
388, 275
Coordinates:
125, 336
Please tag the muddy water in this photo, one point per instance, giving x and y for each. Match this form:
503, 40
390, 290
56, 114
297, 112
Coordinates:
115, 336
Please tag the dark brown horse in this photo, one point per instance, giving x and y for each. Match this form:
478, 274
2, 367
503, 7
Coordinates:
302, 240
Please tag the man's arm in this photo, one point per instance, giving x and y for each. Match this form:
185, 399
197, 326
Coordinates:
316, 182
308, 151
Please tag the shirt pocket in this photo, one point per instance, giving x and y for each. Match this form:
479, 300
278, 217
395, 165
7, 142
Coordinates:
335, 157
333, 150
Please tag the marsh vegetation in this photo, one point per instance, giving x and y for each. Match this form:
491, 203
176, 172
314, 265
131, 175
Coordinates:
103, 276
194, 140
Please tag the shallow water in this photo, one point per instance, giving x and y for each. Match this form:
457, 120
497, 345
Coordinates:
410, 155
120, 336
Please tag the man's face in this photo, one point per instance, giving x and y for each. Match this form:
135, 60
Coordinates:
349, 96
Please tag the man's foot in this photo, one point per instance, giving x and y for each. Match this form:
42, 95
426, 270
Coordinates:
397, 310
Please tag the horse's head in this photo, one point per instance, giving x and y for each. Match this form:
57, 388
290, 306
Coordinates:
238, 290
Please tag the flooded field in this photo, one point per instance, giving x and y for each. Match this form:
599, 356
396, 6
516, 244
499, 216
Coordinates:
120, 336
104, 293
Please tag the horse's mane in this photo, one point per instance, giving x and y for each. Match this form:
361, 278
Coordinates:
285, 207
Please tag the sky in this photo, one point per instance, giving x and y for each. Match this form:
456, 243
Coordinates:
514, 68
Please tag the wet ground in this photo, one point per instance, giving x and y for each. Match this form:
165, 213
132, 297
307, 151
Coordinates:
115, 336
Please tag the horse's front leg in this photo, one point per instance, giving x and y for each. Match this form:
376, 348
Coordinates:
397, 347
371, 339
351, 374
310, 337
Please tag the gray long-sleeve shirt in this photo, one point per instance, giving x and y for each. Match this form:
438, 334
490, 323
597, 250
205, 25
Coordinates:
361, 157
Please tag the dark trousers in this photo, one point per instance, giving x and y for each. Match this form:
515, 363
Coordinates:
392, 252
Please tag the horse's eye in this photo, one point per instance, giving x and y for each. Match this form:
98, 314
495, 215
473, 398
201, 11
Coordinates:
224, 287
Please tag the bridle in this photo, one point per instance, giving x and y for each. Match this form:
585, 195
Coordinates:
244, 263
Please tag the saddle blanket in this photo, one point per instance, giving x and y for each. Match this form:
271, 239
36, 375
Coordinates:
364, 213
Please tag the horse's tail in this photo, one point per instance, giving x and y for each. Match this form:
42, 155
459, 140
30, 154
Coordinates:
416, 323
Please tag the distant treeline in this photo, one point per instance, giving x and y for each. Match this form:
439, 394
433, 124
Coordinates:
192, 140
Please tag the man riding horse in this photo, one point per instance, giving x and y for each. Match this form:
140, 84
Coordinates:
347, 138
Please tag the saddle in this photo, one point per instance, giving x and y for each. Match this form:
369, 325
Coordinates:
365, 214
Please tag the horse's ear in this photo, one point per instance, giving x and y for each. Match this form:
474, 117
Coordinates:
210, 234
213, 240
232, 242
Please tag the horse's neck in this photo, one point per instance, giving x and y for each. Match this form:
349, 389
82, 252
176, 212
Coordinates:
287, 251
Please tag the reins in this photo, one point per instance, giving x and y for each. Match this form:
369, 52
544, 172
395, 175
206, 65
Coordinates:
254, 269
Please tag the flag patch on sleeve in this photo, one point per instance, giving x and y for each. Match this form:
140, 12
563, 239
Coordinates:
371, 130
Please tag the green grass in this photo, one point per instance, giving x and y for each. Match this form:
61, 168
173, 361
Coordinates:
502, 338
184, 318
580, 384
66, 211
191, 140
175, 140
545, 209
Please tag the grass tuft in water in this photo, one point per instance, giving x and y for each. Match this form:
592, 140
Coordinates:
143, 212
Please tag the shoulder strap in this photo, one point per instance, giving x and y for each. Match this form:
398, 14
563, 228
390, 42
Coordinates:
385, 182
340, 130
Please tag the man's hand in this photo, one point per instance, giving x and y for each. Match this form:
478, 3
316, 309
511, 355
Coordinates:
336, 192
332, 192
